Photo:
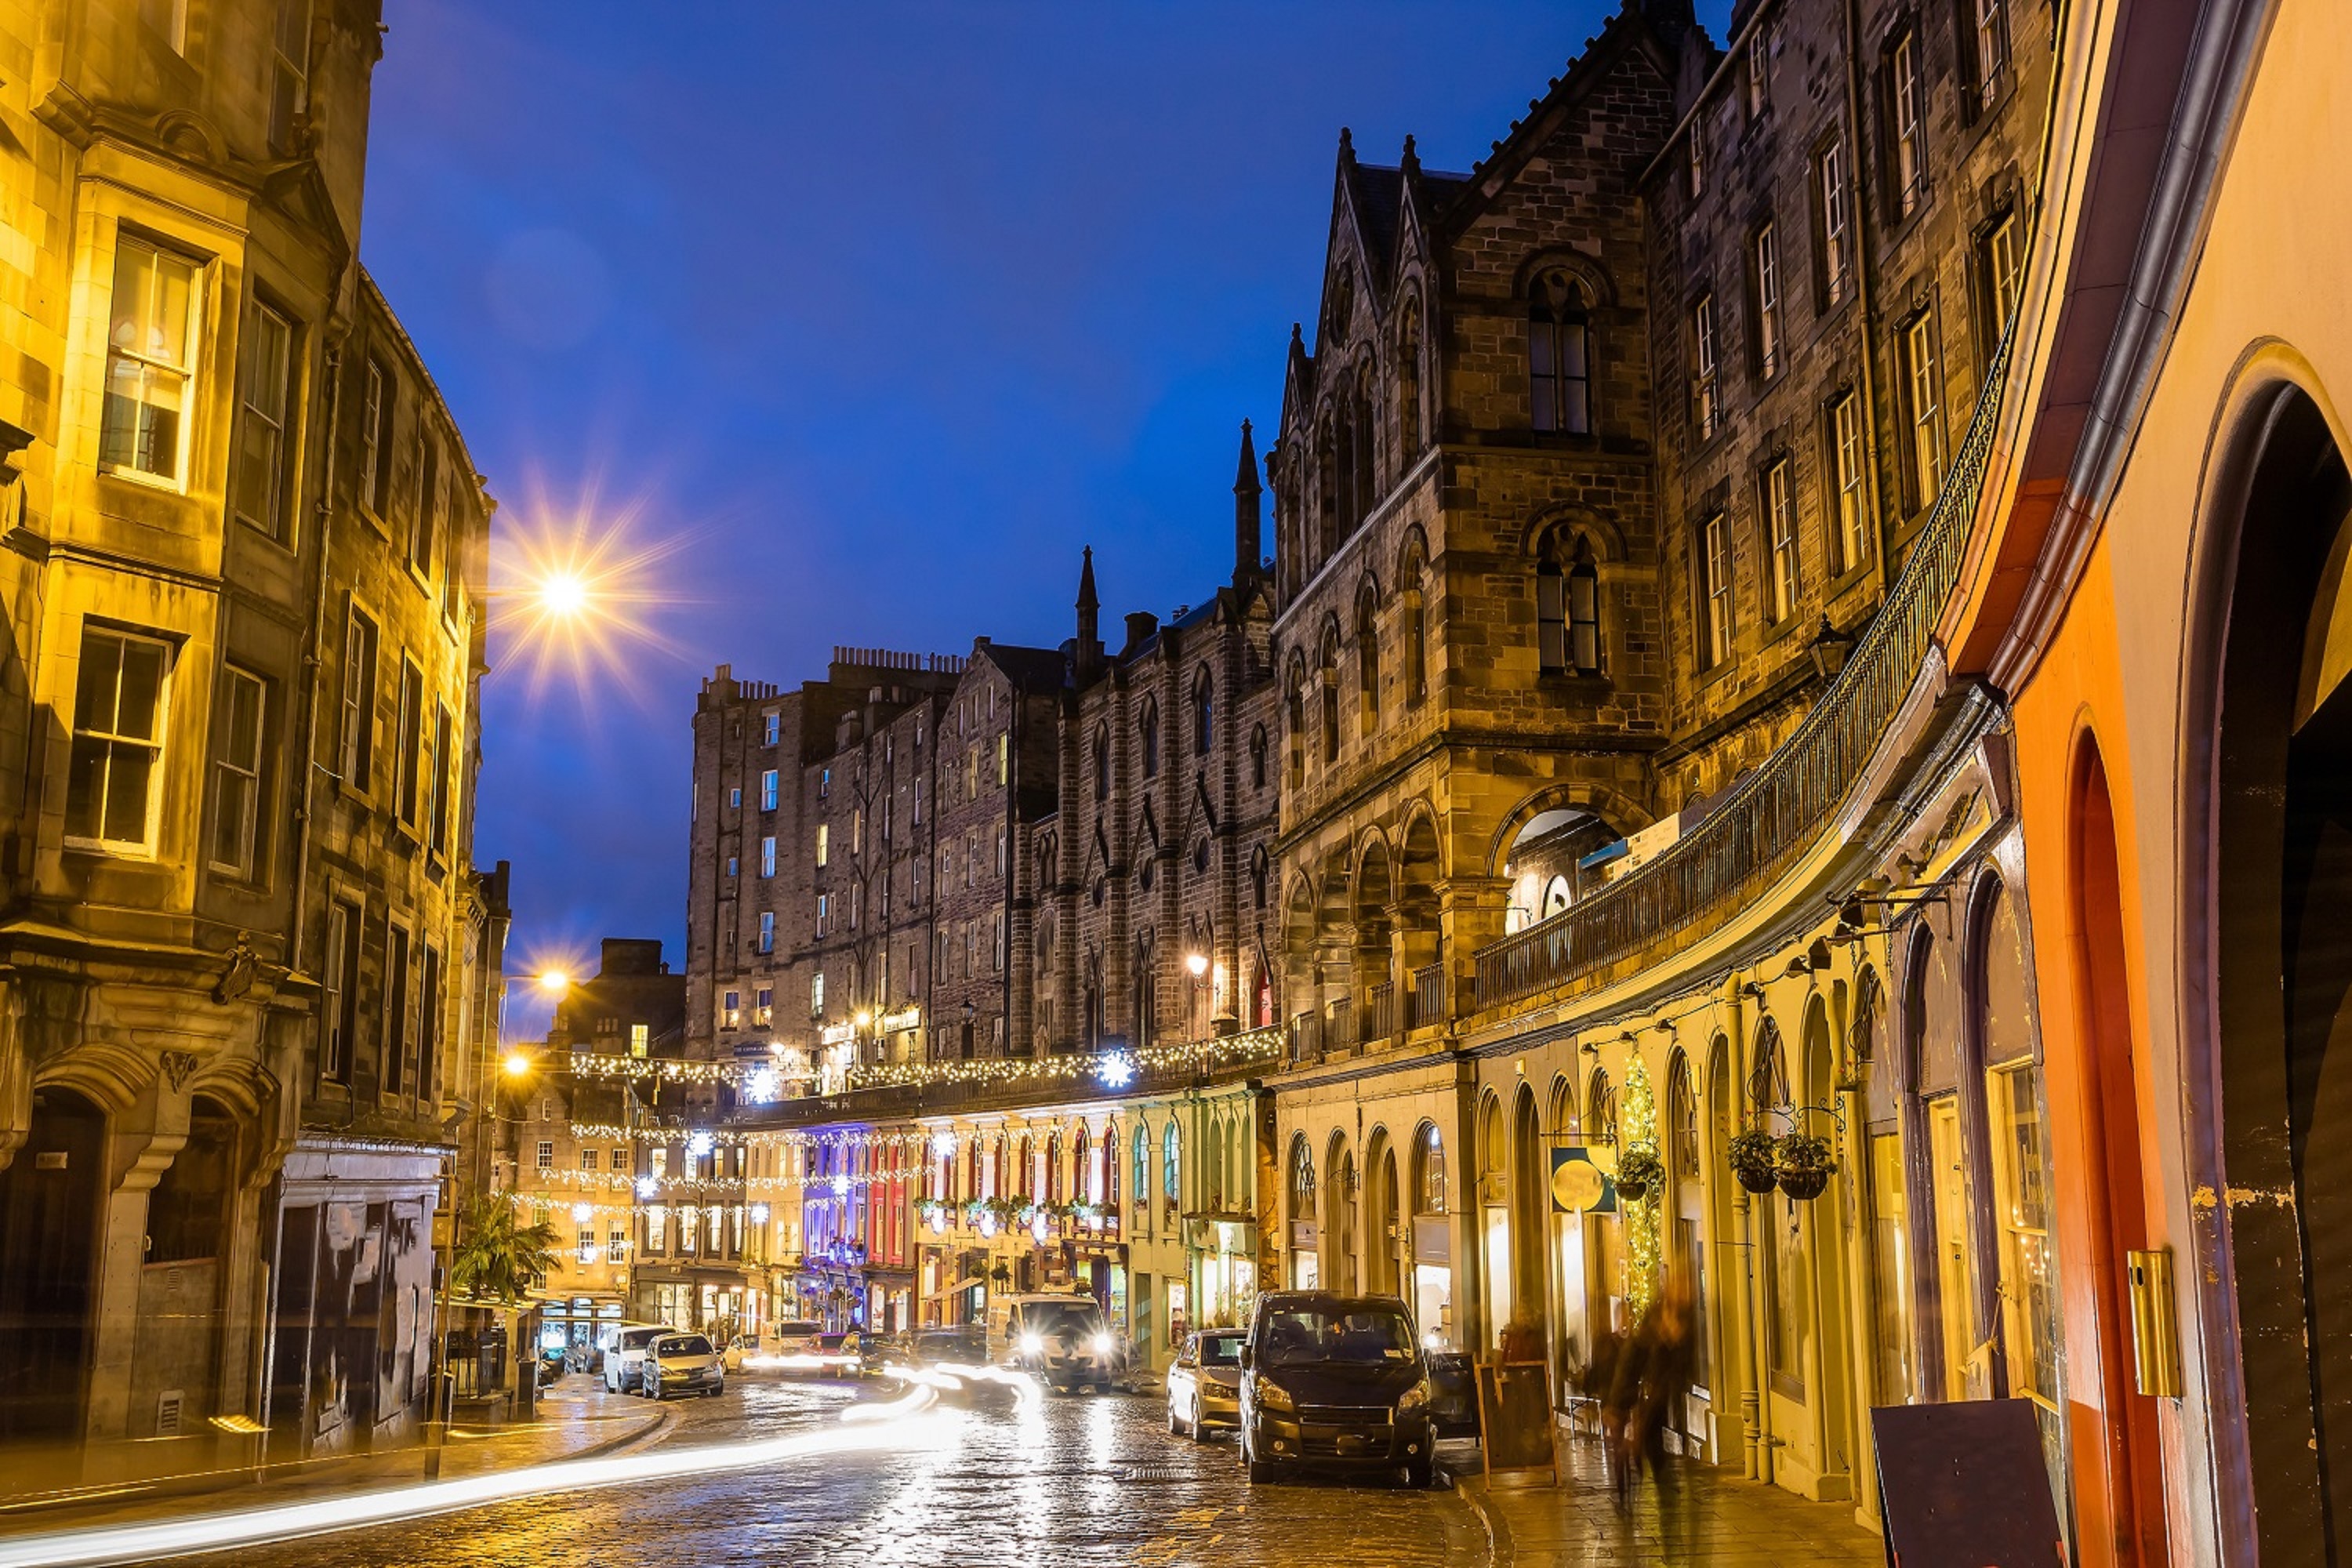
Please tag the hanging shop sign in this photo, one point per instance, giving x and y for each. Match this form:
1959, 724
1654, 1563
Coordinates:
1578, 1184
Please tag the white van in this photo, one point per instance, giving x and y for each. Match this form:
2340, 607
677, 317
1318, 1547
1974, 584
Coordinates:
625, 1352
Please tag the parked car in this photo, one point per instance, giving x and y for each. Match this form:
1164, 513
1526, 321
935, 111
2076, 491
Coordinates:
1205, 1385
950, 1347
625, 1352
1335, 1381
794, 1336
1061, 1341
681, 1363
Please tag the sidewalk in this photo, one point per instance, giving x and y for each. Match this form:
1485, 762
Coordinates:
1708, 1516
574, 1423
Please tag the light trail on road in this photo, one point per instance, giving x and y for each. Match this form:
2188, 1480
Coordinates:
905, 1422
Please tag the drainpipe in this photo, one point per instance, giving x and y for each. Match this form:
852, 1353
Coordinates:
315, 661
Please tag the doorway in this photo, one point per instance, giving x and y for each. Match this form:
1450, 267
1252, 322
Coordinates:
50, 1197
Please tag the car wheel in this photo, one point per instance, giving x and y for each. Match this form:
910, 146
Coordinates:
1260, 1472
1200, 1433
1175, 1426
1419, 1472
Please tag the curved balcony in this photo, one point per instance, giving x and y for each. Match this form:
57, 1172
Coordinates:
1705, 880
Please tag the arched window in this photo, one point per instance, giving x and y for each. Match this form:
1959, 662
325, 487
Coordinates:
1146, 1006
1584, 618
1414, 605
1366, 443
1102, 762
1567, 608
1258, 757
1409, 426
1302, 1181
1150, 738
1142, 1185
1297, 722
1429, 1172
1204, 727
1107, 1181
1332, 697
1171, 1163
1368, 659
1558, 339
1261, 870
1555, 896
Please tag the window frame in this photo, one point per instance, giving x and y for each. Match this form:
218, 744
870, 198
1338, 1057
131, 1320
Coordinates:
1783, 575
149, 363
280, 426
1718, 613
156, 744
355, 746
1849, 470
1834, 225
1906, 109
1764, 274
1707, 370
248, 778
1923, 409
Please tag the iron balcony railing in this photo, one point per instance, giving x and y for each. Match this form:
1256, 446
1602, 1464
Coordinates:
1427, 1002
1698, 883
1379, 1013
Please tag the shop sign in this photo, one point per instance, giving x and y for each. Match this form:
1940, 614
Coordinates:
904, 1019
1579, 1186
836, 1034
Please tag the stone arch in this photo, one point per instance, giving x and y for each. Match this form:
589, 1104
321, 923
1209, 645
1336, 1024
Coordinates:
1372, 922
1621, 812
1384, 1227
1600, 289
1342, 1248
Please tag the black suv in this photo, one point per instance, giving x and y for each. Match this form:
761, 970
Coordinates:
1335, 1381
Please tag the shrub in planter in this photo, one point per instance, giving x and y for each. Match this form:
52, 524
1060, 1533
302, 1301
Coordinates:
1640, 1172
1804, 1164
1751, 1159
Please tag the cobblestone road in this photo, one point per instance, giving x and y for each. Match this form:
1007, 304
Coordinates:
1093, 1480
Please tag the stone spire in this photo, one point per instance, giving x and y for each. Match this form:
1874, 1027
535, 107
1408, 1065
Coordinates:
1246, 492
1089, 648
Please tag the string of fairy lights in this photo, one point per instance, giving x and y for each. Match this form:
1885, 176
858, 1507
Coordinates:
1637, 1127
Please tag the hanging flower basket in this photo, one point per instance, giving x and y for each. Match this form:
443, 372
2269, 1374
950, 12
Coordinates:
1751, 1157
1803, 1165
1640, 1172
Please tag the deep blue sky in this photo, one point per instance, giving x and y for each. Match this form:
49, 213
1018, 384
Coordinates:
884, 309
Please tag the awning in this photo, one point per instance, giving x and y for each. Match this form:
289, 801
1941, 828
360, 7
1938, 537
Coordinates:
966, 1283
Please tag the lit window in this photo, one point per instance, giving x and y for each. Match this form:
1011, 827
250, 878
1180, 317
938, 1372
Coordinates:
546, 1155
117, 742
1715, 591
588, 1159
262, 446
1837, 243
763, 1006
1703, 405
640, 1037
1910, 126
1921, 380
731, 1010
1845, 455
237, 774
1766, 259
148, 366
1779, 541
817, 992
823, 842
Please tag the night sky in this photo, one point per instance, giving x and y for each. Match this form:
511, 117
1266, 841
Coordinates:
869, 317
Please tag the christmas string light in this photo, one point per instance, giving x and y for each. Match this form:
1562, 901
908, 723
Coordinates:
1637, 1124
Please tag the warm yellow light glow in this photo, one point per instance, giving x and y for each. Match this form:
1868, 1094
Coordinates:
517, 1064
555, 980
573, 589
561, 593
863, 1018
1197, 963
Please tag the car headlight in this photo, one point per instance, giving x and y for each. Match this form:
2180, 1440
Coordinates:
1102, 1344
1274, 1396
1413, 1398
1033, 1344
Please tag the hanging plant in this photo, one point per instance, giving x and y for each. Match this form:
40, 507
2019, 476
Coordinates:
1640, 1172
1803, 1165
1751, 1157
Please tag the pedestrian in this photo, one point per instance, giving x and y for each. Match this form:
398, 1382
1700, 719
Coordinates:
1522, 1338
1667, 1365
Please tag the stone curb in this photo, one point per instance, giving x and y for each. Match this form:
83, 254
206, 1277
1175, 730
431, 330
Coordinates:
1500, 1552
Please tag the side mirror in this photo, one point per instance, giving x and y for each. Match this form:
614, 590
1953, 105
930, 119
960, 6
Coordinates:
1249, 1359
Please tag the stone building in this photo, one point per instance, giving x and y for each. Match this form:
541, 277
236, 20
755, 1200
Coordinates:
249, 959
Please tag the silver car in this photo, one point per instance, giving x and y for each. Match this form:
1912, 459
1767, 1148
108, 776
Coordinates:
1205, 1385
681, 1363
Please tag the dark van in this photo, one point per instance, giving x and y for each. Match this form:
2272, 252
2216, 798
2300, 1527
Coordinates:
1333, 1382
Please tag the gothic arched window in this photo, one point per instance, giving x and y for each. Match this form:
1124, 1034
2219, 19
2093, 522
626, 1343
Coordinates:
1559, 373
1102, 762
1204, 719
1150, 738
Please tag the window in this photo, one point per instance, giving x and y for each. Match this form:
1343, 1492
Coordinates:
1330, 684
340, 1005
1204, 720
436, 762
1990, 20
731, 1010
823, 912
268, 378
621, 1162
546, 1155
149, 369
1759, 66
1697, 152
588, 1159
1846, 466
428, 1025
1920, 381
735, 796
1837, 234
1715, 591
1003, 757
237, 774
1703, 406
431, 498
767, 931
1560, 375
1150, 736
376, 435
1003, 854
1764, 259
998, 944
169, 19
763, 1006
1258, 757
1551, 616
2004, 269
1368, 663
357, 752
768, 790
118, 741
1102, 763
824, 782
732, 864
823, 842
1910, 163
395, 1007
1172, 1149
768, 855
1777, 495
817, 992
640, 1038
656, 1228
289, 76
771, 730
918, 797
1584, 618
617, 1244
406, 770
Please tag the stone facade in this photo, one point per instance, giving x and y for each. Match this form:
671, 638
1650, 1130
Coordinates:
251, 965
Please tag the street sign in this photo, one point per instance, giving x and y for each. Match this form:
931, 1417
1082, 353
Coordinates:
1578, 1184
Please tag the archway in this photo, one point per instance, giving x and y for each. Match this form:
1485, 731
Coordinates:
1432, 1239
1383, 1225
1495, 1218
1305, 1262
1374, 973
1339, 1216
49, 1198
1530, 1195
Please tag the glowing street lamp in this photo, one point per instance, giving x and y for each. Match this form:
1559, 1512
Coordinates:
1197, 963
554, 982
517, 1064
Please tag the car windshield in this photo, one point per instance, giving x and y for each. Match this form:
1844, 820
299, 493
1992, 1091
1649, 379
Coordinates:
796, 1331
1221, 1350
1358, 1336
1056, 1320
682, 1344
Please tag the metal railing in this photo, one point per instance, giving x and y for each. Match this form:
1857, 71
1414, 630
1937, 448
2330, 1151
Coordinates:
1425, 1004
1379, 1013
1696, 884
1339, 1028
1305, 1040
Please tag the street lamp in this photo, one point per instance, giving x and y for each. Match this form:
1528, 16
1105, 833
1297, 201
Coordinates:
517, 1064
554, 982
